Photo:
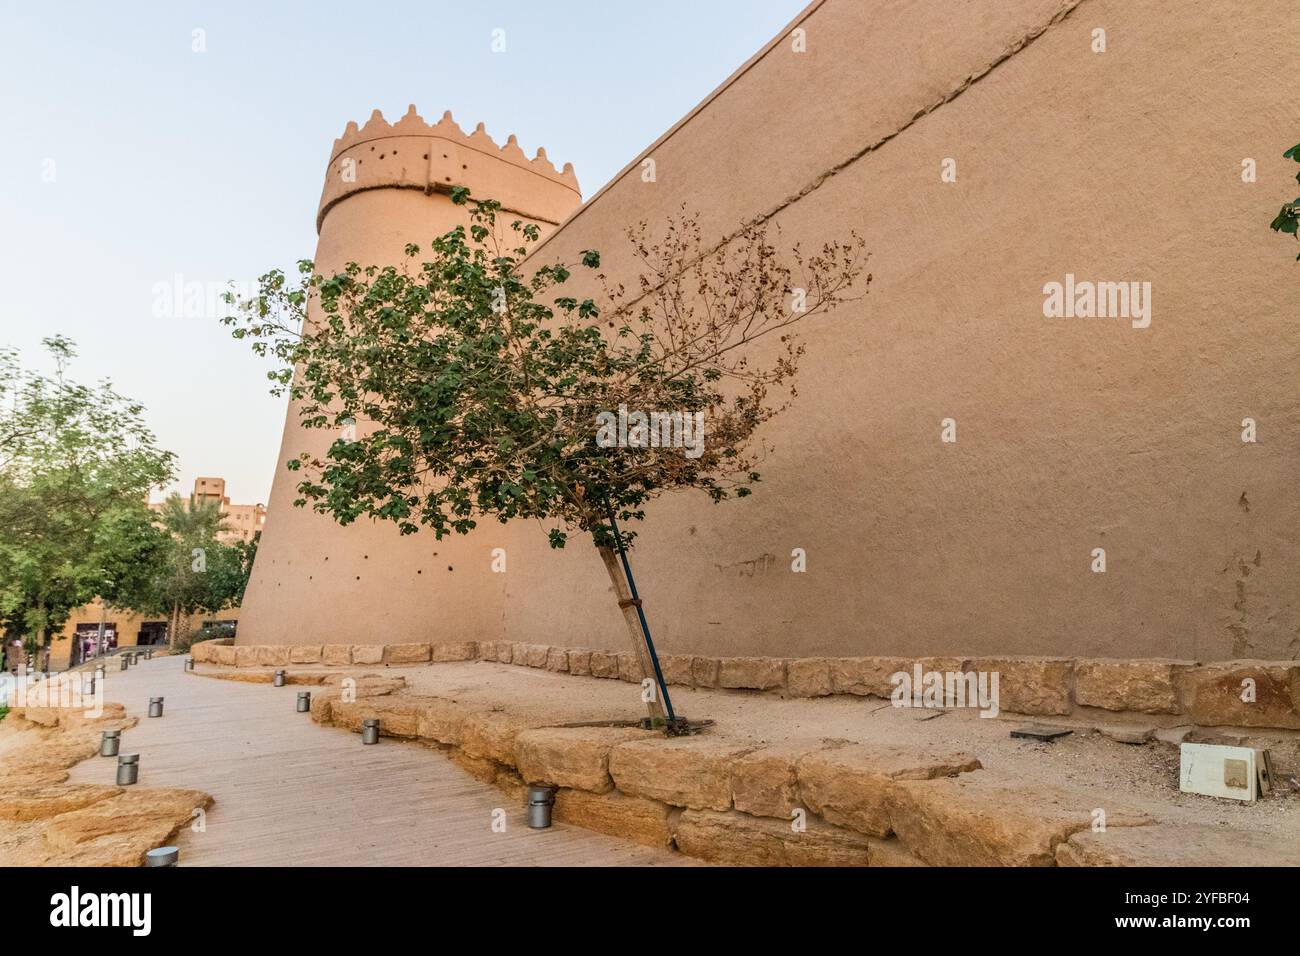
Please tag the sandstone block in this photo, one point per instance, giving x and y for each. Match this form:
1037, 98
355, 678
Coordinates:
1145, 686
1030, 685
604, 664
630, 818
737, 839
398, 716
964, 822
492, 734
305, 654
865, 676
271, 655
809, 677
764, 782
1212, 694
202, 652
336, 654
1176, 845
690, 772
850, 786
574, 757
557, 660
367, 653
629, 669
118, 831
446, 651
21, 804
245, 656
752, 673
704, 671
676, 669
405, 654
224, 654
443, 721
580, 662
321, 709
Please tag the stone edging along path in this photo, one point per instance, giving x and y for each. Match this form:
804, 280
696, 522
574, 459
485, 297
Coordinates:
809, 802
1239, 693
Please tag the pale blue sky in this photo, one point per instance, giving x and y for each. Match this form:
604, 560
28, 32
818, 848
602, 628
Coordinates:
210, 165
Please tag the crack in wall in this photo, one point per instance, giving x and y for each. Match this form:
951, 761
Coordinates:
1017, 46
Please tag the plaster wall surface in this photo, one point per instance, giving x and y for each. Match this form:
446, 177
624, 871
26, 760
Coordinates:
1073, 434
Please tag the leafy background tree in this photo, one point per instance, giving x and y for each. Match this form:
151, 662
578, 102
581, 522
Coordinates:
1288, 218
192, 570
465, 385
76, 466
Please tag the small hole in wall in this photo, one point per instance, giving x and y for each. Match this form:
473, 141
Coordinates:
358, 577
450, 568
419, 571
463, 166
381, 155
372, 149
444, 155
448, 179
426, 155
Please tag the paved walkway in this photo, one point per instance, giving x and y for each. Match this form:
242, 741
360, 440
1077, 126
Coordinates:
290, 792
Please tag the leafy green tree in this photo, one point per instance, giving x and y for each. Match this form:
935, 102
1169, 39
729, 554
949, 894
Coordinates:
76, 466
466, 383
1288, 218
193, 569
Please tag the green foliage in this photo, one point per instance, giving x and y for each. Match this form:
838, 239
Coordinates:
209, 632
76, 466
465, 383
192, 570
1288, 218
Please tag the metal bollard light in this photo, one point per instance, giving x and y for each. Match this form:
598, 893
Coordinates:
99, 673
162, 856
541, 798
155, 706
128, 769
279, 679
370, 731
189, 663
148, 653
304, 702
109, 741
126, 662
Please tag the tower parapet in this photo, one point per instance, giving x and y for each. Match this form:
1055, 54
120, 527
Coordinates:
412, 154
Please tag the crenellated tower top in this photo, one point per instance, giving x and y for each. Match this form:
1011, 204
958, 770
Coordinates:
413, 154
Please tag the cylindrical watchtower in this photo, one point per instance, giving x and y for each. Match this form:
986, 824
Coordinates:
315, 582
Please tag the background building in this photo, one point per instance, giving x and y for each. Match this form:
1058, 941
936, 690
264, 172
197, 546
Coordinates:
124, 628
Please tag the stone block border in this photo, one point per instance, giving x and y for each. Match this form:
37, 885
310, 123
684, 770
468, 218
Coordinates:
815, 802
1239, 693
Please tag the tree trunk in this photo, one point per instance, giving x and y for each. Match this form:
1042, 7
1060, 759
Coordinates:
175, 624
639, 647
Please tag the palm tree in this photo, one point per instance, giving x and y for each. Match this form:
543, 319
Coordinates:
182, 584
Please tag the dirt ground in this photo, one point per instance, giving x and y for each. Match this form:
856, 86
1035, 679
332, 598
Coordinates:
1143, 776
